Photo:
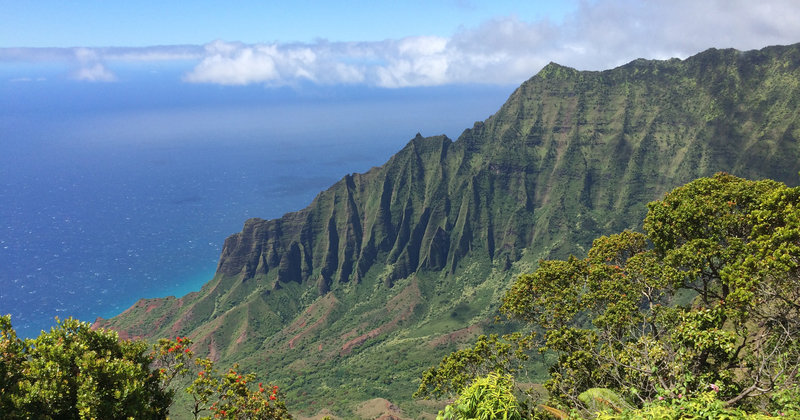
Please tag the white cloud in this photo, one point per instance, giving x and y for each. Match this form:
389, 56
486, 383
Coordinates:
599, 34
607, 33
407, 62
235, 64
90, 68
414, 61
94, 73
231, 63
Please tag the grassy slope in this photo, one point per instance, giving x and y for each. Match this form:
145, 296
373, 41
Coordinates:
388, 271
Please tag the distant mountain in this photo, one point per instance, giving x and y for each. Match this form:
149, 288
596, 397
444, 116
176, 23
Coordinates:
387, 271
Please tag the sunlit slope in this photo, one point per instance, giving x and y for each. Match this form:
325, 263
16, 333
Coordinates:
385, 272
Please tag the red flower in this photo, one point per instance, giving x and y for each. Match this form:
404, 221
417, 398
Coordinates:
272, 397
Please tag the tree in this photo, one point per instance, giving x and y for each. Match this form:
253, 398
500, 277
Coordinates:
11, 359
232, 396
489, 354
487, 398
75, 372
707, 300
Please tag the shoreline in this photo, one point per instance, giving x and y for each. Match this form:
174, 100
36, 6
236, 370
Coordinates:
178, 290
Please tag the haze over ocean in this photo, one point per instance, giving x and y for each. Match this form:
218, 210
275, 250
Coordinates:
111, 192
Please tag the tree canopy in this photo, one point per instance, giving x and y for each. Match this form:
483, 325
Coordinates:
706, 300
76, 372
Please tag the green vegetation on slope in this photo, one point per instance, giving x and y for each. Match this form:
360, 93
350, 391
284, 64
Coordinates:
408, 261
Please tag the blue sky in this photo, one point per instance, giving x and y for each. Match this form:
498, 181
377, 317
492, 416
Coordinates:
374, 43
58, 23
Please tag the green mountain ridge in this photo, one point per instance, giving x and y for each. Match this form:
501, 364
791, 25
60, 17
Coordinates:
387, 271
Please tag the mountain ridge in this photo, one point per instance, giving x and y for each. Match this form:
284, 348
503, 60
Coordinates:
421, 248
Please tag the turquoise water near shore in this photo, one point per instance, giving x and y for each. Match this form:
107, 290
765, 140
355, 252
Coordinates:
114, 192
177, 288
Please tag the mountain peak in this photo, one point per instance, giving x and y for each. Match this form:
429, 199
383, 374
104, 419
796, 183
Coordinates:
556, 71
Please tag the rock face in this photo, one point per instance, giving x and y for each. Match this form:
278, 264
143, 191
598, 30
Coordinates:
570, 156
588, 146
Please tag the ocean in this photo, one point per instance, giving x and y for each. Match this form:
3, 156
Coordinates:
112, 192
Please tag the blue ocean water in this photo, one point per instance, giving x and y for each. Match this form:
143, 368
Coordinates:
112, 192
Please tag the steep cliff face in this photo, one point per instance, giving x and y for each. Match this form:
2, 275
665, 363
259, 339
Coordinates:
593, 146
421, 248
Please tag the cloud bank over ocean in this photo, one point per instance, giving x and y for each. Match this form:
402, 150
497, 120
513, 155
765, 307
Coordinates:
598, 35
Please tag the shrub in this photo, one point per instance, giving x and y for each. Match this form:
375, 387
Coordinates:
74, 372
487, 398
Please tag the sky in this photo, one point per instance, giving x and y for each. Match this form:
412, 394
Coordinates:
386, 44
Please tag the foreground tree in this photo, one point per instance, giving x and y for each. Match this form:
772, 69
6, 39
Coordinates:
708, 300
12, 351
489, 397
233, 395
74, 372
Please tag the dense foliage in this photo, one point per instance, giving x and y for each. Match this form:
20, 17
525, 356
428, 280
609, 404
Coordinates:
75, 372
706, 304
489, 397
489, 354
